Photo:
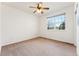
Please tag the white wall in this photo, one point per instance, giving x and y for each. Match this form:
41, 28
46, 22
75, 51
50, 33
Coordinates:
17, 25
66, 35
0, 27
77, 21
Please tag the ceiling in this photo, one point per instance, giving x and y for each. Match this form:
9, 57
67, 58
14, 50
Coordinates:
54, 6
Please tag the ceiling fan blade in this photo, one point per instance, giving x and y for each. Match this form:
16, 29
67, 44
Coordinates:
34, 11
46, 8
39, 4
32, 7
42, 12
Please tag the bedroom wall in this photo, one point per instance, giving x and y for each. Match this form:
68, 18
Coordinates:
77, 30
17, 25
0, 27
66, 35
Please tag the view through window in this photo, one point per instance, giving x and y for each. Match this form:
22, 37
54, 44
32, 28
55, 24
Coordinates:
56, 22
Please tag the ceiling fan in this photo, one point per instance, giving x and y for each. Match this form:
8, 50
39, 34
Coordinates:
39, 8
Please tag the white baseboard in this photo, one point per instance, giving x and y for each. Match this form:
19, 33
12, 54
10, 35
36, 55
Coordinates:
59, 40
7, 43
12, 42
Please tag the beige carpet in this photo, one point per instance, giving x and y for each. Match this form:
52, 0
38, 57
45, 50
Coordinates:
39, 47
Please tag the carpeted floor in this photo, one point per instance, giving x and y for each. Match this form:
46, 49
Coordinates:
39, 47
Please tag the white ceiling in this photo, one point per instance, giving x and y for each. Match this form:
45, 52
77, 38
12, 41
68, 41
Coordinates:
52, 5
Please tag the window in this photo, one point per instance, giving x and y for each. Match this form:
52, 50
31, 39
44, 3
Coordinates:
56, 22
